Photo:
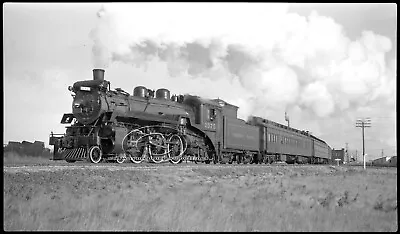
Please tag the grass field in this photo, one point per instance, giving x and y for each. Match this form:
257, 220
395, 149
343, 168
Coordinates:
14, 158
193, 197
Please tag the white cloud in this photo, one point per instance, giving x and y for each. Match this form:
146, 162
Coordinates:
253, 55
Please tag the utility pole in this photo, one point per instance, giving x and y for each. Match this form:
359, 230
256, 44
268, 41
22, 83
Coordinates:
347, 152
363, 123
382, 153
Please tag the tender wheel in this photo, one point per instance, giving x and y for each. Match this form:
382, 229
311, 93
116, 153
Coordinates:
175, 149
121, 158
238, 159
95, 154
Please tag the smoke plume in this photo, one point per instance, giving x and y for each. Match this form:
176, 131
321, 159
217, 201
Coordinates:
282, 61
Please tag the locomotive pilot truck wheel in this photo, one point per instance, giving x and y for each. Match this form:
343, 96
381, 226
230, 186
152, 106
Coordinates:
95, 154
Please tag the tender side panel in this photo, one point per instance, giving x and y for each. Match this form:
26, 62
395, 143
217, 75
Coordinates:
239, 135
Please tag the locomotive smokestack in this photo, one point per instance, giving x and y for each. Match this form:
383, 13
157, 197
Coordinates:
98, 74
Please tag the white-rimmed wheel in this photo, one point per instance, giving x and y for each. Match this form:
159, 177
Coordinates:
133, 146
95, 154
175, 149
137, 156
121, 158
157, 147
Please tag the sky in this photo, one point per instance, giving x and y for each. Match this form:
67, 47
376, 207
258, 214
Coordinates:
326, 65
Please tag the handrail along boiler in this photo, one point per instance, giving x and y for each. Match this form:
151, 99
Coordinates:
112, 125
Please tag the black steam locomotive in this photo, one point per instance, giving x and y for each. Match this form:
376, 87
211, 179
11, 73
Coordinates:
112, 125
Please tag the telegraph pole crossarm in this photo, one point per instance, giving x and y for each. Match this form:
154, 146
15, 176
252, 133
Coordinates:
363, 123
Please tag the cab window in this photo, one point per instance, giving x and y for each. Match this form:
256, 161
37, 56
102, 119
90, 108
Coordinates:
212, 114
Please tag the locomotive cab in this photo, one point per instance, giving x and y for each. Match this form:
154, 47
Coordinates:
206, 113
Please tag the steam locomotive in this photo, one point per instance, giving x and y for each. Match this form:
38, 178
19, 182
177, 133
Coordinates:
112, 125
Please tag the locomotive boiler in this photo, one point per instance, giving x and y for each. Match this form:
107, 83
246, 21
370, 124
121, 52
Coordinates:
113, 125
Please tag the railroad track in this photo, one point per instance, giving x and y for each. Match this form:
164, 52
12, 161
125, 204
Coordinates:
133, 167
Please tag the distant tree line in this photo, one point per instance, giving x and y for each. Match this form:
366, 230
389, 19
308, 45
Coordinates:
27, 148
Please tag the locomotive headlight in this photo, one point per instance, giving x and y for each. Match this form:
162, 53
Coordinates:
183, 121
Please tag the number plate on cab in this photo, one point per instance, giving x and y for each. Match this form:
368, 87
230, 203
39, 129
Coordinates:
83, 88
